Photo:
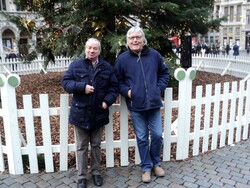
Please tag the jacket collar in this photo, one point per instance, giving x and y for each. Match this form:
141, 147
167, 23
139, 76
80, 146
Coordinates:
144, 51
88, 60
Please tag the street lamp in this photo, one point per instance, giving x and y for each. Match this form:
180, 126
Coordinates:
186, 51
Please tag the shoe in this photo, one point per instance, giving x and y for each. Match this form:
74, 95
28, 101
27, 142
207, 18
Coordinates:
146, 177
159, 171
97, 179
82, 183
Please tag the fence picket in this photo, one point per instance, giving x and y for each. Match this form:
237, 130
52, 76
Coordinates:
12, 139
216, 116
168, 97
247, 114
232, 113
47, 144
197, 120
239, 115
109, 142
2, 166
124, 135
30, 132
207, 118
64, 113
224, 114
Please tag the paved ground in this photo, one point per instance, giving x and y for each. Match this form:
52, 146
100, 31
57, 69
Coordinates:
225, 167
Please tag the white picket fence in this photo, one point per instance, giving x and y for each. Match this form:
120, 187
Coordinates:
204, 122
20, 67
221, 64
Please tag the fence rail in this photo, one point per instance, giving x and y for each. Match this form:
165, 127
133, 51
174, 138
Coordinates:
238, 66
220, 116
21, 67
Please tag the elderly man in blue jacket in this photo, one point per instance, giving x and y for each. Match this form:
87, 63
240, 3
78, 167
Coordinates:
142, 77
94, 86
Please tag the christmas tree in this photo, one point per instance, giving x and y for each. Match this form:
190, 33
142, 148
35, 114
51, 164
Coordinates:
67, 24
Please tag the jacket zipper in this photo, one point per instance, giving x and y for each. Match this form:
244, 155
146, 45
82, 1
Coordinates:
144, 76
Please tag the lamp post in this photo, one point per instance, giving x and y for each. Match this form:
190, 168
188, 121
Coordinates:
186, 51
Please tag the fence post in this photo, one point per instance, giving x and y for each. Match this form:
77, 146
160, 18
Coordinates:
184, 112
11, 128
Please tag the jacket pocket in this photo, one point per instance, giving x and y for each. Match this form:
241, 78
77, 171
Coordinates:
78, 113
82, 76
103, 82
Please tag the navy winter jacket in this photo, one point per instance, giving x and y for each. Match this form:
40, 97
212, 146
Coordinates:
86, 109
145, 74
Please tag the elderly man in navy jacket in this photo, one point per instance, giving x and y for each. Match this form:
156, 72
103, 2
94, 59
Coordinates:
142, 77
94, 86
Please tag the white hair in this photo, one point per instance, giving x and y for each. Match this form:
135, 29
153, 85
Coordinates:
93, 40
137, 29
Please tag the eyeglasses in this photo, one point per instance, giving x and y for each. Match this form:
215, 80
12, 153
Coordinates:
135, 37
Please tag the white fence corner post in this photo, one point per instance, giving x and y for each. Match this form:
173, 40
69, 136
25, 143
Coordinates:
184, 113
11, 128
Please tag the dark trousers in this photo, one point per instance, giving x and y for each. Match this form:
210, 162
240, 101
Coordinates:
85, 138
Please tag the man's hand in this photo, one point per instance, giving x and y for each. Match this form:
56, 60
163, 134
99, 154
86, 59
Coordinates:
104, 105
129, 93
89, 89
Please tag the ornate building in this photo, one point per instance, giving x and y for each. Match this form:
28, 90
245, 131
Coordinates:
12, 39
237, 27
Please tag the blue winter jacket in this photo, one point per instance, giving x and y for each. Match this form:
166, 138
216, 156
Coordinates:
86, 109
145, 74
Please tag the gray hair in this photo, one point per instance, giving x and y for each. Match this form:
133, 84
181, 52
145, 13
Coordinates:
93, 40
137, 29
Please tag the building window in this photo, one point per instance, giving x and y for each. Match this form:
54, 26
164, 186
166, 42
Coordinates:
224, 31
248, 16
2, 5
237, 31
230, 30
7, 44
20, 8
231, 19
217, 11
226, 12
238, 13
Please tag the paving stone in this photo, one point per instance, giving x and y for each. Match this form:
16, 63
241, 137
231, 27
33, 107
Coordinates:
240, 180
203, 183
29, 185
190, 184
216, 182
228, 181
241, 185
226, 167
189, 179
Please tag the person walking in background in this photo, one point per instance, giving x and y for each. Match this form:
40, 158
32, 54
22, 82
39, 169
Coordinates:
94, 86
248, 48
227, 49
142, 77
223, 50
236, 50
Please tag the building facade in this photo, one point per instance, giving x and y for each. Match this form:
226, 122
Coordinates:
12, 40
237, 27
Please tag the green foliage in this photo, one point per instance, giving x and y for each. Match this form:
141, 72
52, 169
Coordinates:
30, 57
67, 24
172, 66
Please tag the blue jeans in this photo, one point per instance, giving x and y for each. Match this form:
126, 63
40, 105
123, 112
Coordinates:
148, 123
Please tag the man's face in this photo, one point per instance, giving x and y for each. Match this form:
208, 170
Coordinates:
92, 51
135, 41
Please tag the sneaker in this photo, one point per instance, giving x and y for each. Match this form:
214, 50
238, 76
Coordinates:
159, 171
146, 176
